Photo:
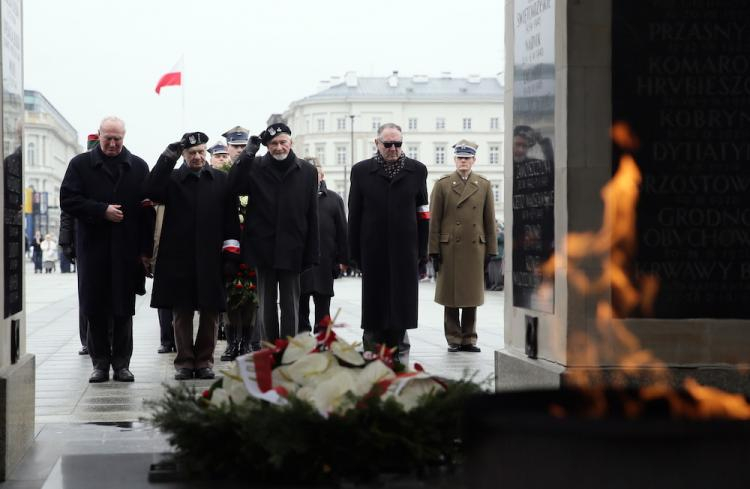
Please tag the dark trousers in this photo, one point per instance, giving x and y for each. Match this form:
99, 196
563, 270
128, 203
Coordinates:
322, 309
105, 352
165, 326
83, 328
200, 354
281, 285
463, 332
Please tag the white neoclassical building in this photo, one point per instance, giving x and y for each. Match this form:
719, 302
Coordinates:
50, 142
434, 114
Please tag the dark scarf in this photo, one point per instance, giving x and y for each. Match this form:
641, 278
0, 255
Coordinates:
391, 169
281, 167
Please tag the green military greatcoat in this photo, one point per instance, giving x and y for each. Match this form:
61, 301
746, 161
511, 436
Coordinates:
463, 232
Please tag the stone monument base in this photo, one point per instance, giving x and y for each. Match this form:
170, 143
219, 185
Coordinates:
518, 372
16, 412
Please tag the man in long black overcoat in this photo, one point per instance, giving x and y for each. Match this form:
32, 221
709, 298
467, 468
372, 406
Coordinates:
280, 236
388, 231
199, 242
317, 282
102, 189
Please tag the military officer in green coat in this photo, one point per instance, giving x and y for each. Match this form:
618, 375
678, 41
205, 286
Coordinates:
462, 239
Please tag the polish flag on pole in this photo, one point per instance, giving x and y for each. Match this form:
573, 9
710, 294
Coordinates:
172, 78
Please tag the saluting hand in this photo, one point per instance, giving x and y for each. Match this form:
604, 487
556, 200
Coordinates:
173, 151
113, 213
252, 146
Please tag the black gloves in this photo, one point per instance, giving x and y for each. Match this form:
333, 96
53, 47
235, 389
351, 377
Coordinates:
252, 146
336, 271
173, 151
437, 260
69, 252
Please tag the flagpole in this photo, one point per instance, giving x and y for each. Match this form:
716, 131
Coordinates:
183, 94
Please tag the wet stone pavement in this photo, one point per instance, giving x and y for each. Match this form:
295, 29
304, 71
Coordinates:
75, 417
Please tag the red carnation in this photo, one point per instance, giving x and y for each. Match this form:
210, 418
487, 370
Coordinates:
252, 287
243, 266
251, 273
239, 274
206, 394
249, 286
238, 285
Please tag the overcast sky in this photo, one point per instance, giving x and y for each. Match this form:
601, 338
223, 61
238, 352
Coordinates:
243, 59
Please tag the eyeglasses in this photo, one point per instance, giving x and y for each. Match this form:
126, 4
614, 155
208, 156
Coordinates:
390, 144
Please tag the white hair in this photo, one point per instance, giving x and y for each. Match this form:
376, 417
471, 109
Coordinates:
114, 119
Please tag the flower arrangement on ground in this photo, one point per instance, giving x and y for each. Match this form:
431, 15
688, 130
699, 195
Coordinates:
314, 409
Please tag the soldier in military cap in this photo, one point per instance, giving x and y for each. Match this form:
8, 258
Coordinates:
462, 239
237, 138
219, 155
281, 230
199, 244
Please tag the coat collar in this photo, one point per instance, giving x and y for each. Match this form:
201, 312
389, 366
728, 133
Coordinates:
97, 157
267, 160
469, 189
183, 172
409, 166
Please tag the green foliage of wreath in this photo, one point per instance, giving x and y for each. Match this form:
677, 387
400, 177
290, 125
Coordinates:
266, 443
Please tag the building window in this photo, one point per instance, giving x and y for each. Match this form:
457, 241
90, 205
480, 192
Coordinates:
321, 125
412, 152
320, 153
494, 154
307, 125
31, 154
439, 154
440, 123
341, 155
307, 151
497, 192
376, 123
413, 124
341, 124
467, 123
494, 123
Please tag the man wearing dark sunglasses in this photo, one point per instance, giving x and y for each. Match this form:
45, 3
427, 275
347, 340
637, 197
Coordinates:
388, 229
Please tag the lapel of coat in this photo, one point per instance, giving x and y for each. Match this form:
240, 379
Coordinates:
471, 187
408, 167
377, 169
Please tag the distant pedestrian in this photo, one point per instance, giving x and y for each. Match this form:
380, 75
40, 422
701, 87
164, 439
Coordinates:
220, 156
199, 244
462, 240
49, 253
388, 228
237, 138
103, 190
317, 282
36, 252
280, 237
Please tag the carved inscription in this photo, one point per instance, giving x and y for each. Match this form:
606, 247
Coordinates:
681, 79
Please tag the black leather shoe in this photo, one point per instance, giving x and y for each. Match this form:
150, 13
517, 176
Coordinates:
470, 348
453, 348
99, 375
183, 374
230, 353
83, 351
204, 373
123, 375
165, 349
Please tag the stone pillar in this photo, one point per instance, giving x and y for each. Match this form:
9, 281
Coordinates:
678, 75
16, 366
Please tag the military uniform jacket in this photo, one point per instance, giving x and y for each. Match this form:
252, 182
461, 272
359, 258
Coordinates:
281, 226
200, 225
388, 225
108, 264
462, 231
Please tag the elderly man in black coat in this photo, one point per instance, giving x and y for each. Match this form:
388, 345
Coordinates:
102, 190
388, 231
317, 282
281, 230
199, 243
